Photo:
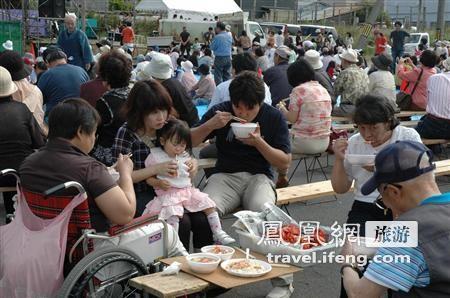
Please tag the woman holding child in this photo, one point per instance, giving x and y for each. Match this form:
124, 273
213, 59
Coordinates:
147, 109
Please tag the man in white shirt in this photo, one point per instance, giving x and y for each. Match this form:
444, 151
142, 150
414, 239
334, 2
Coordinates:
239, 63
436, 123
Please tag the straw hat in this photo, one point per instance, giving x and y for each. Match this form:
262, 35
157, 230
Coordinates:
349, 55
7, 87
313, 57
160, 67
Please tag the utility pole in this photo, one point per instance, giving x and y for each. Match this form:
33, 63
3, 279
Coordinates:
419, 16
83, 15
397, 10
424, 18
410, 16
315, 12
25, 24
376, 9
440, 26
254, 9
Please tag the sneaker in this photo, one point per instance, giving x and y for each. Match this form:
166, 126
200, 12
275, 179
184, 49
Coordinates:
282, 182
221, 237
281, 292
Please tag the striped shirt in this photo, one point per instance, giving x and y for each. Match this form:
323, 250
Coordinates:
400, 276
439, 95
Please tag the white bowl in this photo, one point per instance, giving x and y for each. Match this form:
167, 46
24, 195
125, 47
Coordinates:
264, 268
225, 254
242, 130
201, 267
360, 159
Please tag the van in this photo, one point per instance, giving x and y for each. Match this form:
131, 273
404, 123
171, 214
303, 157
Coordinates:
276, 27
313, 30
412, 43
253, 28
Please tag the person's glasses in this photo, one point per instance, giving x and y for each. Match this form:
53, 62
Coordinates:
379, 200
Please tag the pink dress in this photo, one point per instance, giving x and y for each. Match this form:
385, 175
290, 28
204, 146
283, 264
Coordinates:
182, 195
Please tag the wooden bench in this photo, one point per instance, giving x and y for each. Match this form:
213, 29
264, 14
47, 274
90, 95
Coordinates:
310, 191
402, 114
351, 126
435, 141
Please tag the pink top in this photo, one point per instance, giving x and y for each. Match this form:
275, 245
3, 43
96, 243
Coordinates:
419, 98
313, 104
188, 80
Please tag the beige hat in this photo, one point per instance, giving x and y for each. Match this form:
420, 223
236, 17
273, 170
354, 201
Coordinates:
187, 65
105, 49
313, 57
160, 67
349, 55
446, 64
7, 87
283, 52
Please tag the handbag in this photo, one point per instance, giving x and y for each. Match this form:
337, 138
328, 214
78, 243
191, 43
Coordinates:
32, 251
404, 99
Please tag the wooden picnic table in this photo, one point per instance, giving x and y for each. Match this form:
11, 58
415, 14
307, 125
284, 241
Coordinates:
402, 114
189, 282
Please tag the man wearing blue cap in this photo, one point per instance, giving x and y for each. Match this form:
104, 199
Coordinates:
404, 178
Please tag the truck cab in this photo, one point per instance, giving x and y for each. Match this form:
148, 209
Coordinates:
412, 43
253, 28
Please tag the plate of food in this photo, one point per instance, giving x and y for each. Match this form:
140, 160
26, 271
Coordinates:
246, 267
224, 252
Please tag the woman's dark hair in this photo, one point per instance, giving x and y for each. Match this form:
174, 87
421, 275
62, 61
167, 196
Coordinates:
259, 52
428, 58
244, 33
180, 59
203, 69
177, 131
414, 59
300, 72
115, 68
70, 115
208, 52
398, 23
145, 97
247, 88
349, 34
241, 62
373, 109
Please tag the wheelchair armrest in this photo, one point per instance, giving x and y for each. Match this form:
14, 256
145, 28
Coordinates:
134, 224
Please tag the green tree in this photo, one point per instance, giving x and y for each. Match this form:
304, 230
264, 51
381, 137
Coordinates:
122, 5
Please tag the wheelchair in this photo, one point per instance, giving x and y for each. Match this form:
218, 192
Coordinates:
102, 272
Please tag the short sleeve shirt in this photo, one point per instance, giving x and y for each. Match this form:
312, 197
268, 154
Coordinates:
184, 35
313, 106
398, 39
233, 156
42, 170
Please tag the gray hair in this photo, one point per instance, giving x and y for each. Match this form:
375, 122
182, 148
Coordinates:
71, 16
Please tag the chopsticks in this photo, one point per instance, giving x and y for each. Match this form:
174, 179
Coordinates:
236, 118
250, 256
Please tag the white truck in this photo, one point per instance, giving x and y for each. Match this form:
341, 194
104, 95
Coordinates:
170, 29
412, 43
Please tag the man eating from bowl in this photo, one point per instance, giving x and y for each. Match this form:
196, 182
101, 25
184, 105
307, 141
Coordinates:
243, 169
244, 175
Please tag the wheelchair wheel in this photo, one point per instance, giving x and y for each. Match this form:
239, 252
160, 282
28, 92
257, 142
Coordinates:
82, 281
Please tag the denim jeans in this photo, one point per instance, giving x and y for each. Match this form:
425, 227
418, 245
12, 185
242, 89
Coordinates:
222, 69
433, 128
396, 53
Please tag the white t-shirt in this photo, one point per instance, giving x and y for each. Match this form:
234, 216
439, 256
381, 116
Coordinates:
222, 94
356, 145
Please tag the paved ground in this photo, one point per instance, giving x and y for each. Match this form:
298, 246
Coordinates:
317, 281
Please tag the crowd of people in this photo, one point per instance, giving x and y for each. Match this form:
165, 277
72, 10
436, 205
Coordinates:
140, 117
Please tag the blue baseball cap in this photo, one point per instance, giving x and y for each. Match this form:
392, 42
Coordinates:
398, 162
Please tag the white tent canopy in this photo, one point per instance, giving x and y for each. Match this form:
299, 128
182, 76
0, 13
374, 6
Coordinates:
194, 9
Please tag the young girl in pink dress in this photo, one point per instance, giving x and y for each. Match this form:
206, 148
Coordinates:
174, 194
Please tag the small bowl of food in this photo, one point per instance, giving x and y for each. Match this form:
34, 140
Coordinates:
242, 130
360, 159
203, 262
224, 252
